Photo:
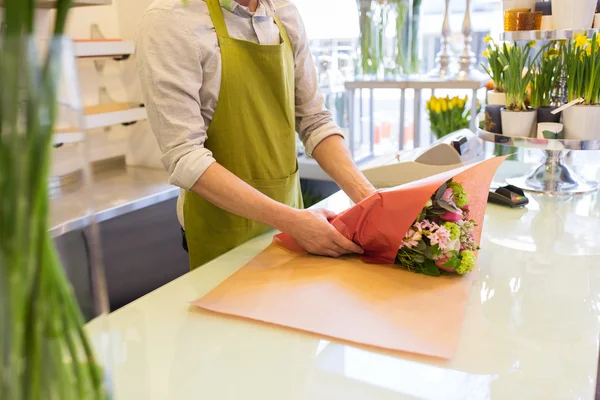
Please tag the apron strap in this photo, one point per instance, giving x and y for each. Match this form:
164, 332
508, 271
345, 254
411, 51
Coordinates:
282, 30
216, 15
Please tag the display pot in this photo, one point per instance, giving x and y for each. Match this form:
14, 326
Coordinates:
573, 14
493, 118
582, 122
518, 123
496, 98
544, 114
512, 4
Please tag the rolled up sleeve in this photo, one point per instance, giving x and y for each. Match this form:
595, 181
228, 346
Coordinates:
169, 68
314, 122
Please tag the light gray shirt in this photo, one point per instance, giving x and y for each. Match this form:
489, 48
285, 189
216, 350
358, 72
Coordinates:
179, 65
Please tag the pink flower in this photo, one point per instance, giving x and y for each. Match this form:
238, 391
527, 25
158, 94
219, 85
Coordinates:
411, 239
440, 264
448, 196
452, 216
441, 237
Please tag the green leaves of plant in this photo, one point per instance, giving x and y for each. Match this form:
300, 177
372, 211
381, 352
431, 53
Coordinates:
431, 269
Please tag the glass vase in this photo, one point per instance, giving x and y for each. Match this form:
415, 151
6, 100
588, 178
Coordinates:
45, 352
370, 54
403, 34
415, 37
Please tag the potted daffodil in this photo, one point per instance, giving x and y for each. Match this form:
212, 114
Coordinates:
545, 75
494, 69
581, 57
517, 118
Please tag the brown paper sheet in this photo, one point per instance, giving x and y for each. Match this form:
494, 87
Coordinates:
349, 299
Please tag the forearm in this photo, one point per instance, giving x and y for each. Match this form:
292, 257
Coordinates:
333, 156
227, 191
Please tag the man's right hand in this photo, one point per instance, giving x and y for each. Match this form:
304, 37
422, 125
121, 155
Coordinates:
313, 232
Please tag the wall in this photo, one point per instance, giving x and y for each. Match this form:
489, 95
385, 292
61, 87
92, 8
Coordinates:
118, 20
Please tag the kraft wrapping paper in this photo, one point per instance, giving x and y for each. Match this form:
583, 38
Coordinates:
351, 298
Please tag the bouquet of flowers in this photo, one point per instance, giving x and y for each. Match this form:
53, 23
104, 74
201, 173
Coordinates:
440, 241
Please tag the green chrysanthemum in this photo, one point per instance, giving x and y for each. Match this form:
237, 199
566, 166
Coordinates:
453, 229
460, 196
467, 262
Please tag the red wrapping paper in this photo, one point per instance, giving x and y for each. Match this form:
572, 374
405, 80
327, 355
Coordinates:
378, 224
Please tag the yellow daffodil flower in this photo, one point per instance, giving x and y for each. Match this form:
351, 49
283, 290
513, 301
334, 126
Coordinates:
487, 39
452, 103
532, 44
486, 54
588, 50
445, 105
580, 40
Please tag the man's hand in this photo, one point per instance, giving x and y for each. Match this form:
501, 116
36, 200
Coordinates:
313, 232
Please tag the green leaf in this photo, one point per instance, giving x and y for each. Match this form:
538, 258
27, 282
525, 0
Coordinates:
440, 191
435, 249
447, 206
421, 245
418, 258
429, 268
452, 263
437, 211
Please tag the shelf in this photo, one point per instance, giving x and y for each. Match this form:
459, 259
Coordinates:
113, 114
541, 144
76, 3
103, 48
66, 136
562, 34
417, 82
375, 84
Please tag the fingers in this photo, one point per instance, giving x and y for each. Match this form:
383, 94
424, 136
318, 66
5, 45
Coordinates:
347, 245
328, 214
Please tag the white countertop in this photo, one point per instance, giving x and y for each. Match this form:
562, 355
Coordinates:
531, 329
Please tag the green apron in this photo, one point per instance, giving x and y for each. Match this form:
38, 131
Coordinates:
252, 134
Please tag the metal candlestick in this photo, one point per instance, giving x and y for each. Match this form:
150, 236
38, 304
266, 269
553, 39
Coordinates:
443, 58
467, 60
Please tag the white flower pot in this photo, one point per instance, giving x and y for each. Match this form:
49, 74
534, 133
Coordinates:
547, 23
582, 122
573, 14
496, 98
519, 123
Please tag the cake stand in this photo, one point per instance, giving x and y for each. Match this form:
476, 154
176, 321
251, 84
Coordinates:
552, 176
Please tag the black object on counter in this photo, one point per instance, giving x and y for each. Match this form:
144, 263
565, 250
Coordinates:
544, 114
544, 6
493, 118
510, 196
